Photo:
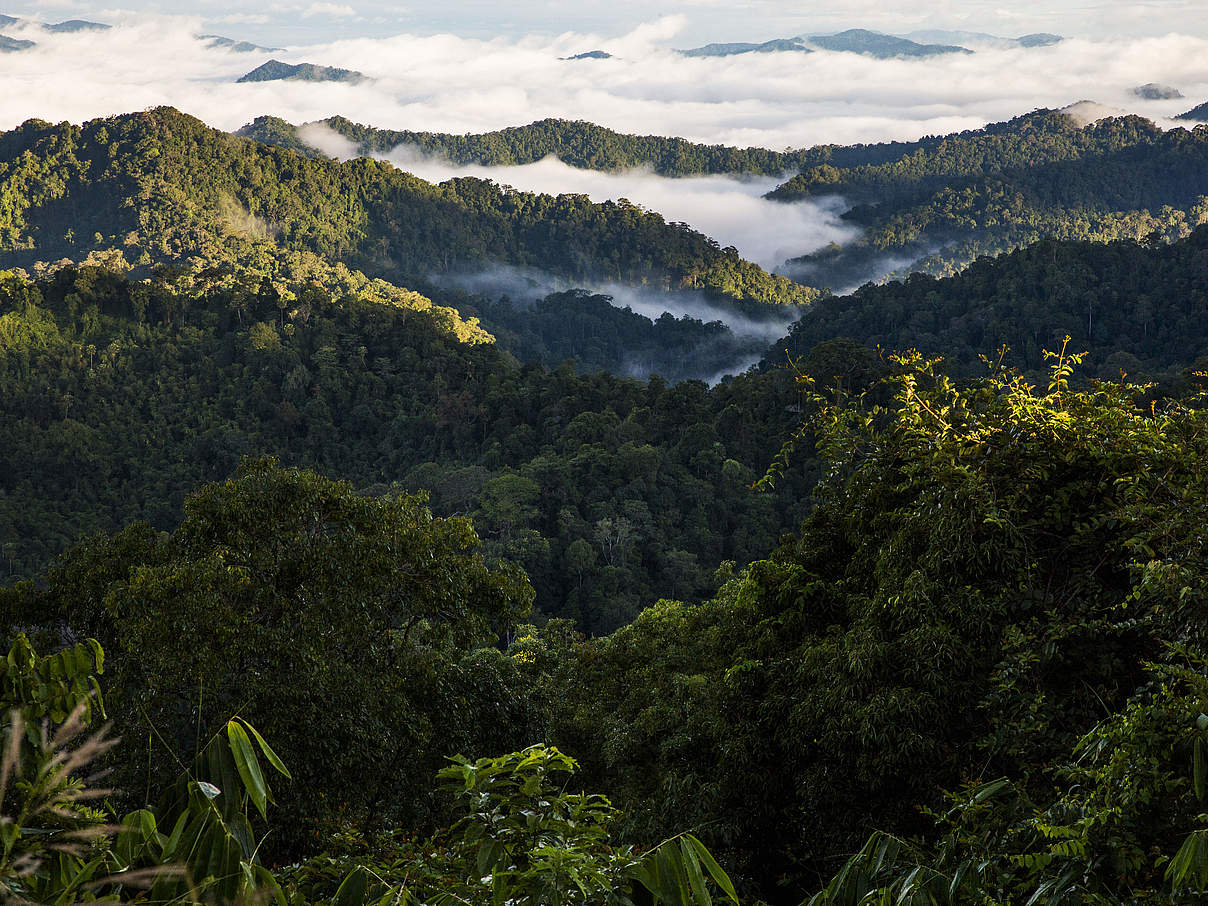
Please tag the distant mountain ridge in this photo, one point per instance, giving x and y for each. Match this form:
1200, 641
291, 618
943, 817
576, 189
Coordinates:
777, 45
275, 71
943, 36
214, 196
1198, 113
1152, 91
237, 46
574, 142
76, 25
1084, 172
881, 46
12, 45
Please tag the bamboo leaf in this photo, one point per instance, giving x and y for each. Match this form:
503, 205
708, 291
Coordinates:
696, 878
272, 757
249, 767
720, 878
1199, 768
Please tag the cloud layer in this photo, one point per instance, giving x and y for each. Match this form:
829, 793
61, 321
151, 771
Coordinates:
447, 83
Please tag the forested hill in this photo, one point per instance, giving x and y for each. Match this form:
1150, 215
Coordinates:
982, 651
1137, 308
983, 192
161, 186
592, 147
123, 396
933, 205
574, 142
1040, 137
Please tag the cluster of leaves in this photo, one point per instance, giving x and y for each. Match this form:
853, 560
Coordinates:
522, 838
1123, 824
59, 843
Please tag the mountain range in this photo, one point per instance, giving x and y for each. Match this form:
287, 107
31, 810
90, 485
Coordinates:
877, 44
275, 70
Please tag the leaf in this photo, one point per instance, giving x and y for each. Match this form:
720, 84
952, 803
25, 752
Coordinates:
248, 767
208, 789
272, 757
352, 889
696, 878
716, 872
488, 857
1199, 763
1189, 867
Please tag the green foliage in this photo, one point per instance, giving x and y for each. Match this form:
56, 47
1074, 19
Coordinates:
1135, 308
57, 847
1128, 798
145, 390
523, 838
291, 600
938, 204
985, 569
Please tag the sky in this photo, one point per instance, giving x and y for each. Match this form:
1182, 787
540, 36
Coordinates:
318, 21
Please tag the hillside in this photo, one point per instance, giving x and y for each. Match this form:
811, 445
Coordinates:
275, 70
776, 45
1136, 308
881, 46
874, 627
937, 206
122, 396
942, 36
162, 187
578, 143
1198, 114
11, 45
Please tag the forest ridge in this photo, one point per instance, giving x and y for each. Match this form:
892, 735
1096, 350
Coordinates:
389, 604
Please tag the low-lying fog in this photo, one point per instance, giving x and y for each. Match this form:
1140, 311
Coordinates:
751, 334
528, 285
730, 210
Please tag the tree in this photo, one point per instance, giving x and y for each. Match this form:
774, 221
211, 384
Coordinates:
343, 626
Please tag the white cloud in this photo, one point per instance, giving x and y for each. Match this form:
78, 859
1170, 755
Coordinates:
730, 210
243, 19
328, 9
448, 83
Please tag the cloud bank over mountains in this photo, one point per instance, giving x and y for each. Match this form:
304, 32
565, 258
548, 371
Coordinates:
456, 84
